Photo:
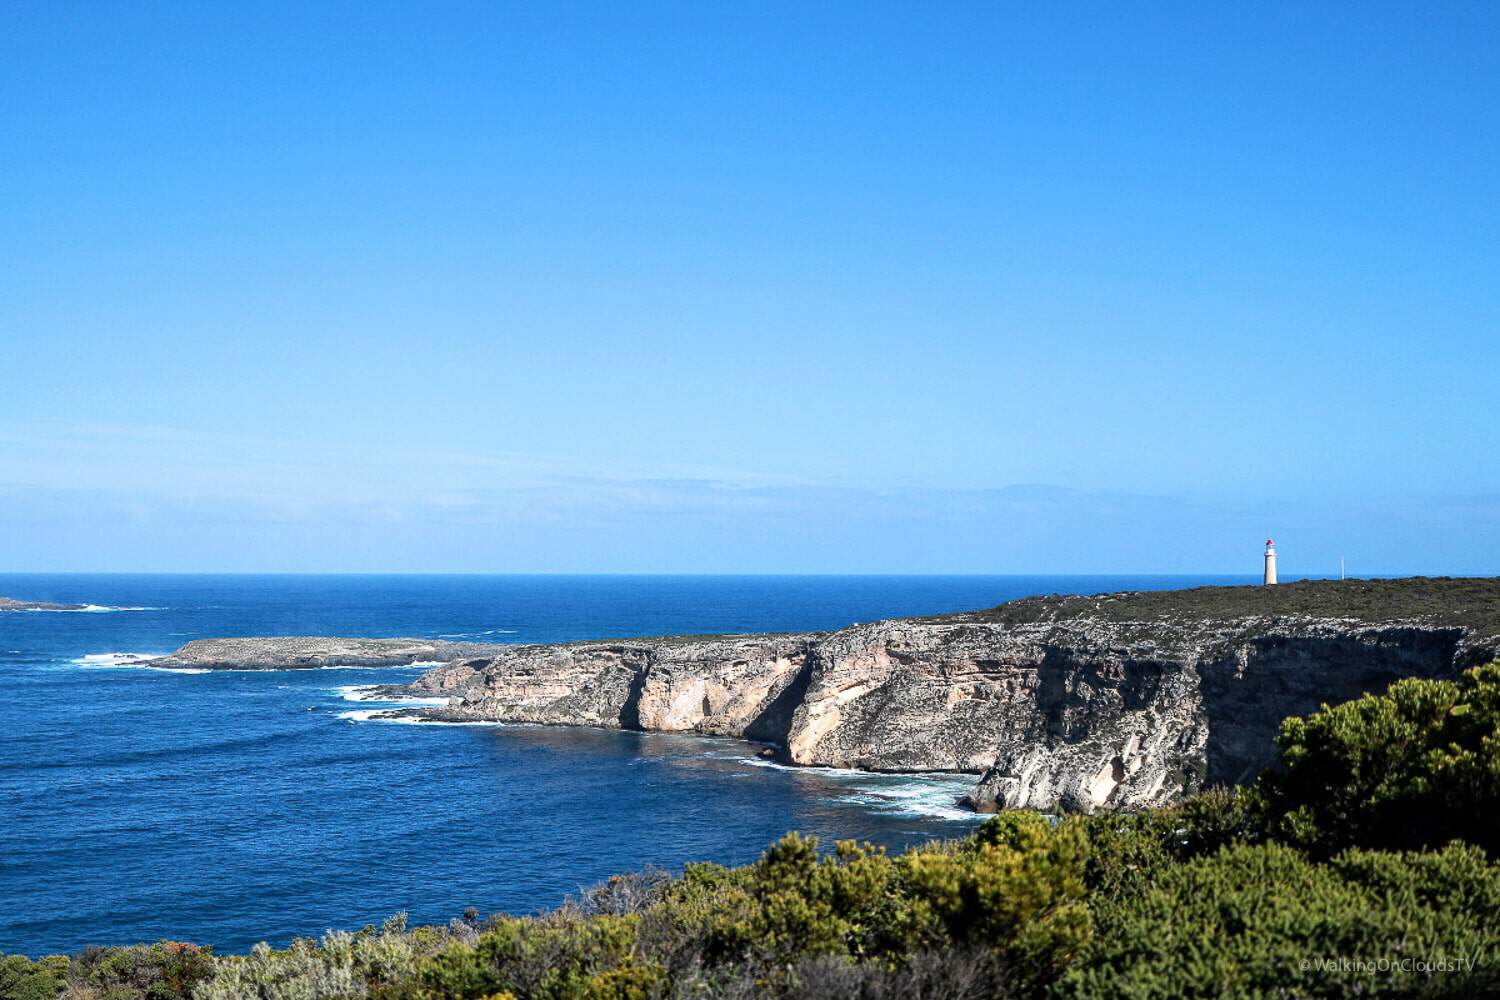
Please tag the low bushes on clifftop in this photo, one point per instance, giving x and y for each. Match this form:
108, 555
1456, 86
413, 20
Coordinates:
1363, 866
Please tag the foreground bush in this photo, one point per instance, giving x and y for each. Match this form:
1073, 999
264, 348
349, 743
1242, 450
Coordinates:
1412, 768
342, 965
1264, 920
21, 979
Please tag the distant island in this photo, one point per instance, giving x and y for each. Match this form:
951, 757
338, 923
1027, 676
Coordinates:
1058, 704
11, 604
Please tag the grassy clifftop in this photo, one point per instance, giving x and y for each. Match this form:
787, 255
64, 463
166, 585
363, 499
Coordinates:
1472, 603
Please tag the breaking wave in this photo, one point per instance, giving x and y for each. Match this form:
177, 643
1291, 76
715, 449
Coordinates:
133, 661
87, 609
369, 692
933, 795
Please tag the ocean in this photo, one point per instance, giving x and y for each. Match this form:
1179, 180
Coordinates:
227, 808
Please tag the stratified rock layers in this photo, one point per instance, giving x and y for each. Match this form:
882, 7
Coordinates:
1073, 715
745, 687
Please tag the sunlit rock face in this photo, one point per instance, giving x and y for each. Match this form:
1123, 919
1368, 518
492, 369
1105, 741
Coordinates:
731, 686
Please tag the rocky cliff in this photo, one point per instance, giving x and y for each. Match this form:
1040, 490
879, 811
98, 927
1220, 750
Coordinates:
1116, 701
1074, 704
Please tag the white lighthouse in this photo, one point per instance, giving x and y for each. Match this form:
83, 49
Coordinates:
1270, 562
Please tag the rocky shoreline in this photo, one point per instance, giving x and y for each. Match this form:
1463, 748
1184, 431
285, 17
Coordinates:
313, 652
11, 604
1119, 701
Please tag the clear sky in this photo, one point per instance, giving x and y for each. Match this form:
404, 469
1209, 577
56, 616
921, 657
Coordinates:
711, 287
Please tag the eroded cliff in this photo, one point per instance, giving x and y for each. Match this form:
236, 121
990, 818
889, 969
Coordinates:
1074, 704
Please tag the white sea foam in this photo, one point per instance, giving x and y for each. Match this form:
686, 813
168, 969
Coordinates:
471, 635
113, 659
375, 715
827, 772
370, 692
361, 714
88, 609
939, 801
131, 661
933, 795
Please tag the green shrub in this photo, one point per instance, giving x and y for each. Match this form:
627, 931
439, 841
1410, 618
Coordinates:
1017, 888
1129, 851
1256, 920
1415, 767
23, 979
341, 965
167, 970
556, 959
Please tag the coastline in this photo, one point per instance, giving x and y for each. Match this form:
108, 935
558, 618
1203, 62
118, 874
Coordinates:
1065, 704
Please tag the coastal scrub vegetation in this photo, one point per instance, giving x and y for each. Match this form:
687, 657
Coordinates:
1469, 603
1363, 865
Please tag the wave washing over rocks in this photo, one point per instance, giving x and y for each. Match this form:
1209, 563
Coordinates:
11, 604
1116, 701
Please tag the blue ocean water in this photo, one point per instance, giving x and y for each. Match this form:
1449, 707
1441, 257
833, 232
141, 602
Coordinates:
231, 807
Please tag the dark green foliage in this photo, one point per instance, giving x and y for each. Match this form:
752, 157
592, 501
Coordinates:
162, 971
1256, 920
1412, 768
567, 959
1017, 888
23, 979
1128, 852
167, 970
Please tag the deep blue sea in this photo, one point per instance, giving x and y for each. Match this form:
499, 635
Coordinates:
227, 808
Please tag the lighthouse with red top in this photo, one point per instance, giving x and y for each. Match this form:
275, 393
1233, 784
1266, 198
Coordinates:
1270, 562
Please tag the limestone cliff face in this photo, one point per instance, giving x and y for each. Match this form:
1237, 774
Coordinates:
721, 686
1060, 706
1121, 726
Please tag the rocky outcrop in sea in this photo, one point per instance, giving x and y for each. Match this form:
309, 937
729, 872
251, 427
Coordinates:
312, 652
11, 604
1074, 704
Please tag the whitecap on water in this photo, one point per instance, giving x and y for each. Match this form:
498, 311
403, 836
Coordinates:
87, 609
370, 692
932, 795
133, 661
375, 715
113, 659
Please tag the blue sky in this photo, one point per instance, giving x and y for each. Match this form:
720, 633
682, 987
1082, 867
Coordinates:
749, 288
